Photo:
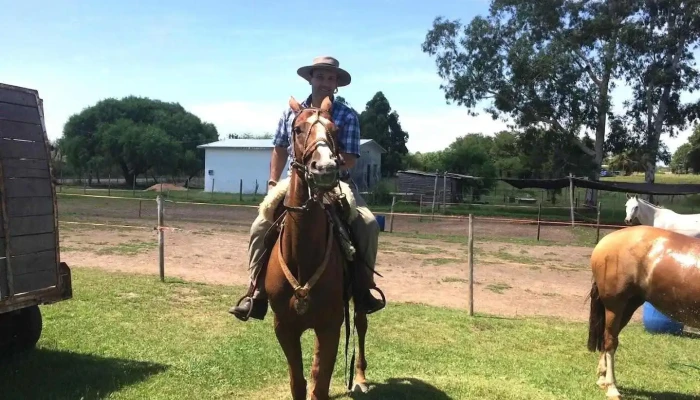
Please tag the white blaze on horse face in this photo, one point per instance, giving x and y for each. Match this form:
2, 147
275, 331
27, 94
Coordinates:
631, 207
326, 161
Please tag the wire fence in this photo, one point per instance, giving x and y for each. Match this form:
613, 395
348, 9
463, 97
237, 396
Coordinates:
476, 279
126, 210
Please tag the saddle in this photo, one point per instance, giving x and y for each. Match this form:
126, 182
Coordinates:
340, 207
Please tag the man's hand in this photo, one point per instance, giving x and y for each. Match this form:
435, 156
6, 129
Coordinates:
271, 184
346, 161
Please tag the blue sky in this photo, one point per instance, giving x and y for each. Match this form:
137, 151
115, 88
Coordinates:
234, 63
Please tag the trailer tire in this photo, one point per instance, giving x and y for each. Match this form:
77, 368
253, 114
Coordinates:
29, 327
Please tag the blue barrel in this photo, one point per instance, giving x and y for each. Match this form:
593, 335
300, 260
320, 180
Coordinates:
657, 322
380, 221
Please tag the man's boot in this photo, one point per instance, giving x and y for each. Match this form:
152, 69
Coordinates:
362, 291
365, 302
248, 306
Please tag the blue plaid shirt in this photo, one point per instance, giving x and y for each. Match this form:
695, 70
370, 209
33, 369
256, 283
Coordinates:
343, 117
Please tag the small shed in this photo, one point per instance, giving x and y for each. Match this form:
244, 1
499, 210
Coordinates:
229, 162
367, 171
446, 185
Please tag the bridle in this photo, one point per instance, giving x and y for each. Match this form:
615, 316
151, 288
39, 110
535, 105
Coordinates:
316, 191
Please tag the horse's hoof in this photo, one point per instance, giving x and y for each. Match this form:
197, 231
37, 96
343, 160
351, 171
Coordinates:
360, 387
601, 383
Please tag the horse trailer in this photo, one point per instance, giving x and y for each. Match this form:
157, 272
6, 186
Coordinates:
31, 273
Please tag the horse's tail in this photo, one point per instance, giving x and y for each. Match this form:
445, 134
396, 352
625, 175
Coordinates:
596, 321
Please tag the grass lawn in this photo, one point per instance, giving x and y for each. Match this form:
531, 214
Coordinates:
132, 337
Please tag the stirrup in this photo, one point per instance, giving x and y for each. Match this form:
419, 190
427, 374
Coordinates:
382, 301
240, 316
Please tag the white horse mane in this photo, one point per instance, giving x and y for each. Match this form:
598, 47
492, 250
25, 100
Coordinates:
640, 200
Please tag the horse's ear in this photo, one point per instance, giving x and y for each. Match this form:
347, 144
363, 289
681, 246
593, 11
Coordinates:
628, 196
326, 104
294, 105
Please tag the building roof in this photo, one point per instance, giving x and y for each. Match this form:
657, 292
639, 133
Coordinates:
433, 174
259, 144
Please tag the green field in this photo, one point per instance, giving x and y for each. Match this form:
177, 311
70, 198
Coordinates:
133, 337
612, 203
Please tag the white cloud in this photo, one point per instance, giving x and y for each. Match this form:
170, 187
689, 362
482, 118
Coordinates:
432, 130
240, 116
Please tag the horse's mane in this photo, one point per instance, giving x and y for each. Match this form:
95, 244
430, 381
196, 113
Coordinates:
652, 205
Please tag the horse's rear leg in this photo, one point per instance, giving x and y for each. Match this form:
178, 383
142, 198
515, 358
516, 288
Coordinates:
290, 340
360, 361
613, 322
325, 355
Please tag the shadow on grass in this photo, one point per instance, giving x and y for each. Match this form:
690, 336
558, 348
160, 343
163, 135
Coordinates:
638, 394
55, 374
399, 389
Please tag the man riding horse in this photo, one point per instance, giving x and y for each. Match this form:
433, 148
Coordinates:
324, 76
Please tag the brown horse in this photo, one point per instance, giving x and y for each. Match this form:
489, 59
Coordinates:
631, 266
305, 273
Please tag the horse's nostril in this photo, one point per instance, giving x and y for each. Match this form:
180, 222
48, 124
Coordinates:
313, 165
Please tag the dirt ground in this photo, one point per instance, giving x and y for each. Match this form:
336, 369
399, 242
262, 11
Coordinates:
509, 279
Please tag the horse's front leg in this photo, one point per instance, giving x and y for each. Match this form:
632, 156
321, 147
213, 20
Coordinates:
325, 355
361, 361
290, 340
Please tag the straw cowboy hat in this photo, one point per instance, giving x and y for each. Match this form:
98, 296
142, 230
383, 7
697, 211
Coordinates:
326, 62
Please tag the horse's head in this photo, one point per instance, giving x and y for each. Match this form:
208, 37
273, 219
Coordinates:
314, 138
631, 209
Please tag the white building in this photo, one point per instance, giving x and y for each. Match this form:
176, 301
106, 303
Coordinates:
230, 162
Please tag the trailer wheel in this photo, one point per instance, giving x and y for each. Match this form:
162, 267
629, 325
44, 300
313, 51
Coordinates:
29, 327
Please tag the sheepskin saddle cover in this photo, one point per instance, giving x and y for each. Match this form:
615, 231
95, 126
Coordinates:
276, 194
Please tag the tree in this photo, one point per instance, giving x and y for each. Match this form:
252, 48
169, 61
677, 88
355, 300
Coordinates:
658, 61
680, 161
380, 123
546, 63
506, 154
137, 135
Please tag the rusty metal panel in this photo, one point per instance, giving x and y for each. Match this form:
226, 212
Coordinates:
26, 168
33, 225
33, 262
15, 149
4, 289
29, 225
18, 95
29, 206
29, 244
35, 280
20, 130
17, 113
27, 187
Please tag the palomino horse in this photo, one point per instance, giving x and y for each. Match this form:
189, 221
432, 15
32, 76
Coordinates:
305, 272
631, 266
648, 214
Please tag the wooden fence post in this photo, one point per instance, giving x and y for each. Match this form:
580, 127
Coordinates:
161, 238
444, 193
471, 264
597, 228
539, 218
432, 217
420, 209
571, 197
391, 221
